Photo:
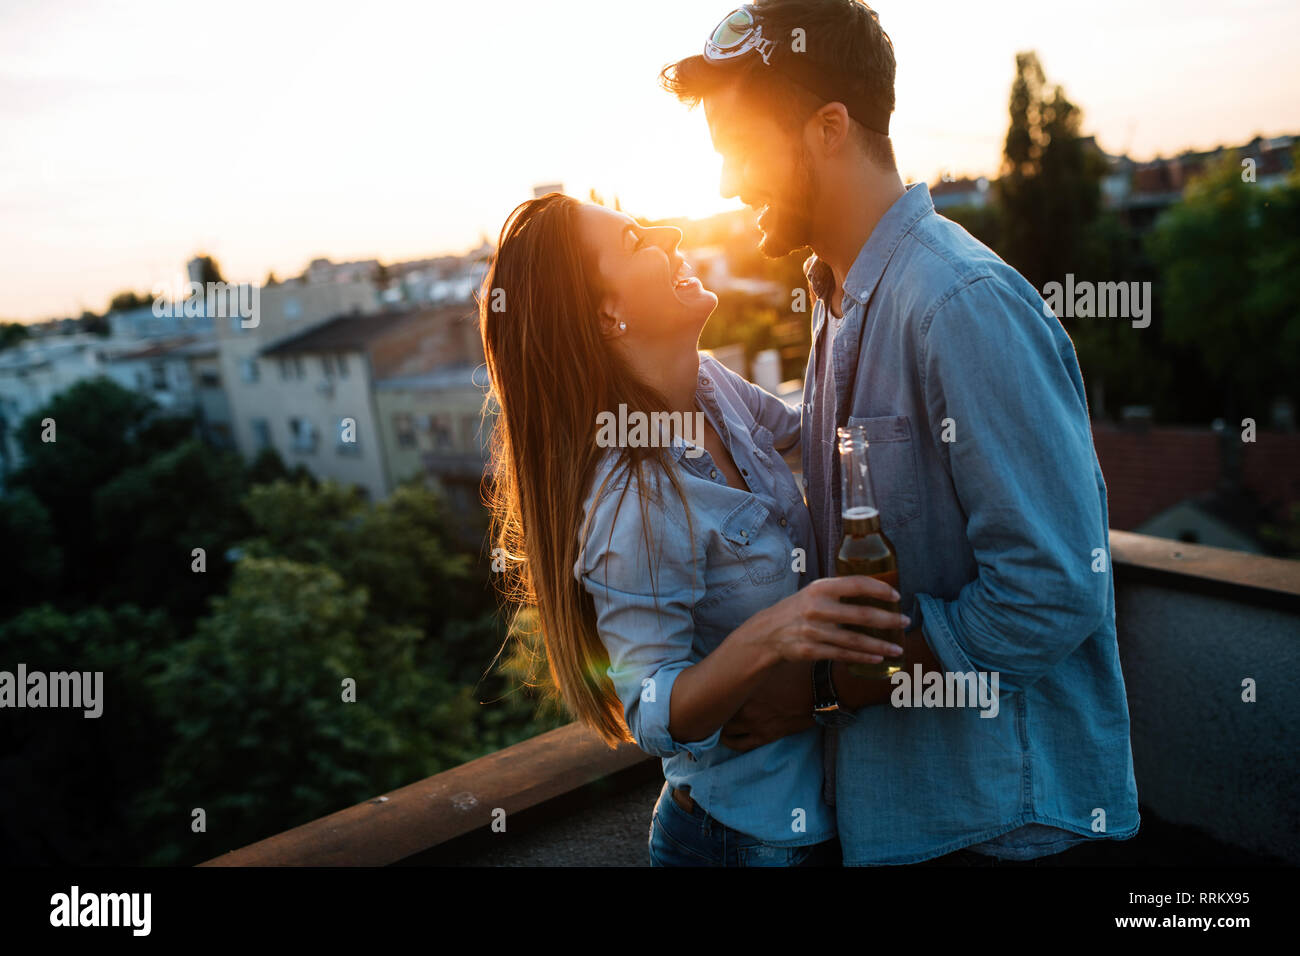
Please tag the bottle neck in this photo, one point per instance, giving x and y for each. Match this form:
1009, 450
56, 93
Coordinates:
861, 521
857, 503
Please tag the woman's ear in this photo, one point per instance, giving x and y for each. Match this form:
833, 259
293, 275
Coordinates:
611, 326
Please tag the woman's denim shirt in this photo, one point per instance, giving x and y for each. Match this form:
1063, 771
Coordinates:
741, 552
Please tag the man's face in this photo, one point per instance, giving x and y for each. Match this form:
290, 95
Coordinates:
768, 167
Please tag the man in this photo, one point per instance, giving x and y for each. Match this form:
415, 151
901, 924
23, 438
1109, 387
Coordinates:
981, 460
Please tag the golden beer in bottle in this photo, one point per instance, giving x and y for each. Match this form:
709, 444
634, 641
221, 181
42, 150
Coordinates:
864, 548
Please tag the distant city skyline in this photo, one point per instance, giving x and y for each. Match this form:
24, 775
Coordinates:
268, 135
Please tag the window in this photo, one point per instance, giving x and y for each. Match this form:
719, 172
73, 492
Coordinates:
158, 376
297, 366
404, 425
304, 434
248, 369
327, 363
261, 433
292, 309
440, 430
290, 367
343, 364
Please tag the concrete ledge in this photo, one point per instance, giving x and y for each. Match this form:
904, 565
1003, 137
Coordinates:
440, 808
1164, 561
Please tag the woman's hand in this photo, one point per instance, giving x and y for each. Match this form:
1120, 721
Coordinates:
811, 624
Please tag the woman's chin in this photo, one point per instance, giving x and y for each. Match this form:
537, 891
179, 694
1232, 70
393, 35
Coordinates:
691, 291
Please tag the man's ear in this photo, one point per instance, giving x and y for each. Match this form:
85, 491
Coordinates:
832, 128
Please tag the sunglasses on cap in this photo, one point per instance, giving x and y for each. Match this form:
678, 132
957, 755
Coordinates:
740, 34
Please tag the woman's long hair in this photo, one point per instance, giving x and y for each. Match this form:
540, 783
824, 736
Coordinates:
552, 372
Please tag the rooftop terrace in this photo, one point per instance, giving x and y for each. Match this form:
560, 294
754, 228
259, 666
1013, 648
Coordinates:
1218, 780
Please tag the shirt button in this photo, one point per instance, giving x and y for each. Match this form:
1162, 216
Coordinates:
713, 472
744, 473
784, 522
805, 482
704, 381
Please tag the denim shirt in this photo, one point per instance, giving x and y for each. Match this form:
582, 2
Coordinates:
656, 618
988, 485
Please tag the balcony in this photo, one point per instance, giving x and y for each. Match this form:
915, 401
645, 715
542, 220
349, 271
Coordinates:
1217, 778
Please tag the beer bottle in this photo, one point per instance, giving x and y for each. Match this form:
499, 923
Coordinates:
864, 549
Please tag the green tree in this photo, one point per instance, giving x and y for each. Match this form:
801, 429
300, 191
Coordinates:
151, 517
97, 430
417, 575
126, 301
69, 785
265, 739
209, 270
397, 548
1050, 187
269, 467
1228, 256
34, 558
11, 333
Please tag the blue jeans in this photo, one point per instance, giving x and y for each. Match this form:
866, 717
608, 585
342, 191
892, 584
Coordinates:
679, 838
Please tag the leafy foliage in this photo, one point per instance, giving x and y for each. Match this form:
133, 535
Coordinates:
227, 694
1229, 255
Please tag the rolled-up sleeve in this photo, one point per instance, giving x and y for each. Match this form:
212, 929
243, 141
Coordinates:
778, 417
644, 608
1005, 388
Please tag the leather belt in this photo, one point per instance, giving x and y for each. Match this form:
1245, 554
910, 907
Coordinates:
683, 799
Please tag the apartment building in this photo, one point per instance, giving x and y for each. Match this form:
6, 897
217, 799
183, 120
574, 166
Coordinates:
285, 310
312, 396
432, 427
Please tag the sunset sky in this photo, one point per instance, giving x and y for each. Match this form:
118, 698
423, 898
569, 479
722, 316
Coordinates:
139, 132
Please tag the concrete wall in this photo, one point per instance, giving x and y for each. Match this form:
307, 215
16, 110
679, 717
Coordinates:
1201, 755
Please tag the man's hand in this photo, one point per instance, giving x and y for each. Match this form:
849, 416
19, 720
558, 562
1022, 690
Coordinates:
781, 705
858, 692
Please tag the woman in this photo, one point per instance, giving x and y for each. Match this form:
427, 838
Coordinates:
661, 572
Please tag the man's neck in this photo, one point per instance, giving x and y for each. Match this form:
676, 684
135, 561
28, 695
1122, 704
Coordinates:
858, 205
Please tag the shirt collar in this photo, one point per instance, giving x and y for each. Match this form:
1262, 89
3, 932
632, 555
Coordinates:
867, 269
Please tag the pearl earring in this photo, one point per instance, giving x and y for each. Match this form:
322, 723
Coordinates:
622, 326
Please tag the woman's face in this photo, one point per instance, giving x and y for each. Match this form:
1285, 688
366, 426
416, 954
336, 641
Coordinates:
646, 282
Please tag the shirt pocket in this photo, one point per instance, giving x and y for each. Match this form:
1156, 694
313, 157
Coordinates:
781, 479
762, 554
891, 458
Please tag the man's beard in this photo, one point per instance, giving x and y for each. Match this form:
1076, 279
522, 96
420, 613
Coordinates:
788, 225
